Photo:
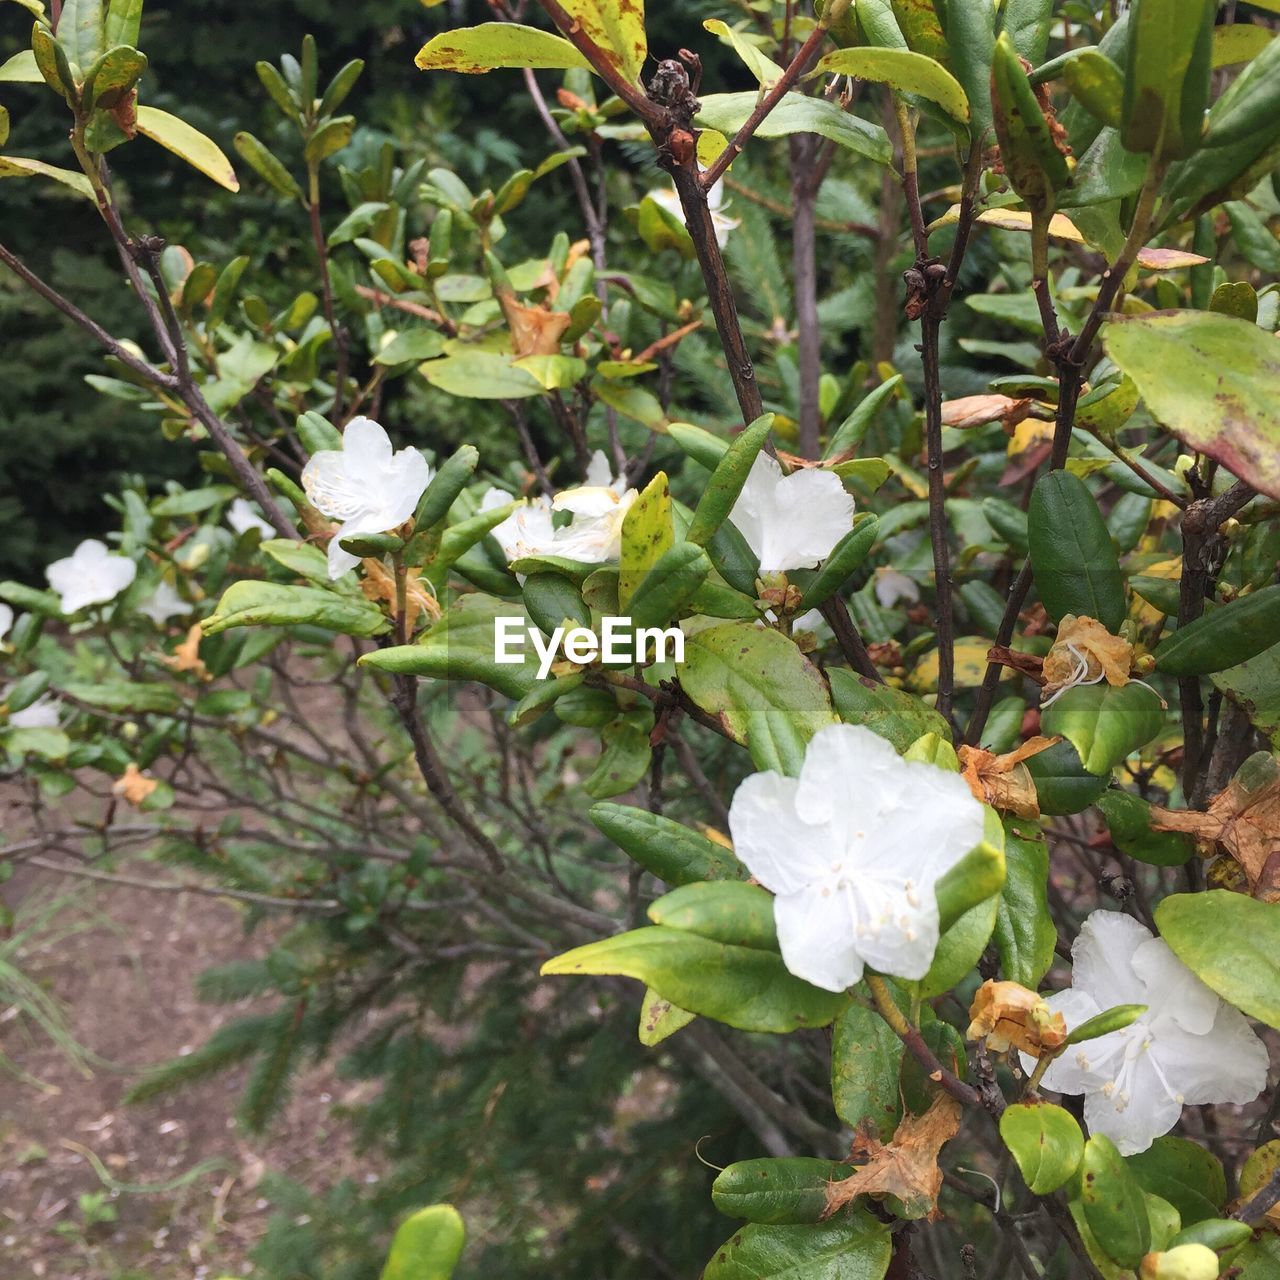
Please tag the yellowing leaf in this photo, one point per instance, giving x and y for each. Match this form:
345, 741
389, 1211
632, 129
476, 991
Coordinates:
1062, 228
188, 143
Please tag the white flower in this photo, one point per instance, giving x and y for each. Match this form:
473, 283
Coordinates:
41, 714
1189, 1047
527, 531
364, 486
853, 849
723, 224
90, 575
6, 620
164, 603
592, 537
893, 586
243, 516
791, 522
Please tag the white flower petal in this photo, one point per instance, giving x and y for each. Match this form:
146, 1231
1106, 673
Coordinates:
1084, 1066
90, 575
1102, 959
340, 561
1172, 990
591, 501
599, 472
163, 603
6, 620
791, 522
366, 449
1228, 1064
243, 516
897, 929
893, 586
41, 714
816, 937
1136, 1112
782, 852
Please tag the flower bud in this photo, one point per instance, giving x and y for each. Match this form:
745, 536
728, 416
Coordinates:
1186, 1262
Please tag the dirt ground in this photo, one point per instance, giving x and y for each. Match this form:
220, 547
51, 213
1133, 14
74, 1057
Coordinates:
123, 977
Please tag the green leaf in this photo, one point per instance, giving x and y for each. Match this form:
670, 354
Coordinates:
329, 138
1072, 556
960, 948
427, 1245
1113, 1203
553, 372
670, 851
848, 436
481, 375
122, 696
1116, 1018
722, 490
123, 23
1166, 79
1027, 23
21, 167
454, 474
1062, 784
1105, 722
461, 646
266, 166
848, 1247
268, 604
796, 113
21, 69
1097, 84
1025, 934
1255, 687
1183, 1173
80, 33
978, 877
782, 1192
1045, 1141
845, 559
1224, 638
1239, 143
970, 32
667, 590
903, 70
189, 144
730, 670
660, 1019
765, 70
625, 755
1213, 380
723, 910
866, 1058
892, 713
647, 535
550, 600
1129, 821
476, 50
743, 987
1231, 943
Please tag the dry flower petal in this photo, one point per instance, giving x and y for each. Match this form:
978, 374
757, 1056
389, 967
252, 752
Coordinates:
1243, 820
134, 785
1085, 640
1004, 782
1008, 1015
186, 657
978, 411
379, 584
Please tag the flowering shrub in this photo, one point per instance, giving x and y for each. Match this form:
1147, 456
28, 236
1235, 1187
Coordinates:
957, 786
